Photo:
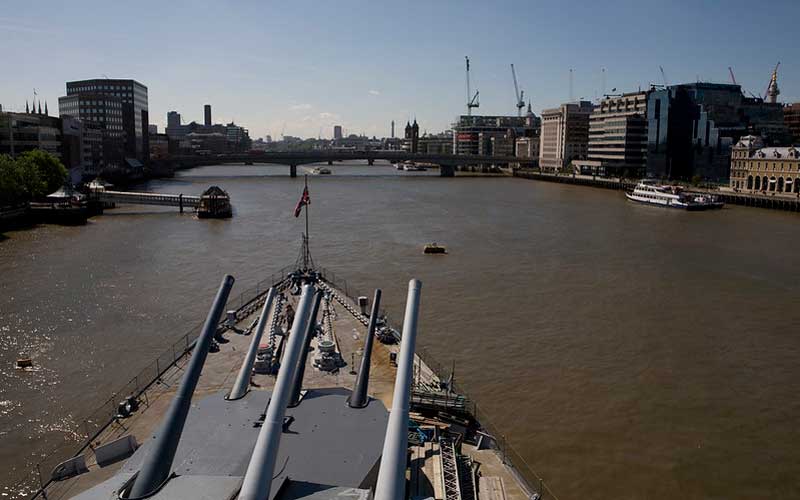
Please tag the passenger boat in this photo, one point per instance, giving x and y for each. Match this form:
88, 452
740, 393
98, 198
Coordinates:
215, 203
651, 193
321, 171
433, 248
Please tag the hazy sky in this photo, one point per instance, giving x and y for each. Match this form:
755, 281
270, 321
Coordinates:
303, 66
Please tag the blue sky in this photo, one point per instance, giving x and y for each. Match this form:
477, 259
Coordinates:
303, 65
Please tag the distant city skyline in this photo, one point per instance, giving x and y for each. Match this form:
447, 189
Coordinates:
306, 67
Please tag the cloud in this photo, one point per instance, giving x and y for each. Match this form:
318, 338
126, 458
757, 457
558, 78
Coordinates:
326, 116
300, 107
374, 92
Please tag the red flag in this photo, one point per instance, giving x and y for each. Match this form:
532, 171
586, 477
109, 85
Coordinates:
304, 200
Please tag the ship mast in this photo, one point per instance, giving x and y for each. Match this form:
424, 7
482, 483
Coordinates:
304, 260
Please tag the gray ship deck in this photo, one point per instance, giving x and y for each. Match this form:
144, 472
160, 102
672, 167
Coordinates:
496, 482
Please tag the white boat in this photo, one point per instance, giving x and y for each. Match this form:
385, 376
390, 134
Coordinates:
410, 166
321, 170
651, 193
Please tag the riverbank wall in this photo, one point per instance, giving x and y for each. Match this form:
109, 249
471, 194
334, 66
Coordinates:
765, 200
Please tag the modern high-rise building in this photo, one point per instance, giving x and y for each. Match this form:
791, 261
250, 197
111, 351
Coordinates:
95, 100
692, 128
337, 132
564, 136
392, 136
207, 114
617, 136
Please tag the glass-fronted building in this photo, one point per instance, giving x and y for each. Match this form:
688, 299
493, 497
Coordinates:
692, 127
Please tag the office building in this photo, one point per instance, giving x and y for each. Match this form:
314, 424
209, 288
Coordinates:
392, 136
617, 136
207, 114
435, 144
755, 167
337, 132
159, 146
21, 132
528, 147
692, 128
90, 102
103, 111
238, 138
564, 136
473, 135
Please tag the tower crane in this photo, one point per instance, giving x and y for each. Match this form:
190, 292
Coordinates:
472, 101
520, 94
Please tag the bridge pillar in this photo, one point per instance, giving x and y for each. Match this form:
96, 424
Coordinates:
330, 162
292, 171
446, 171
370, 162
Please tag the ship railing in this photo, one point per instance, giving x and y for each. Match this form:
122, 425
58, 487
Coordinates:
514, 461
88, 431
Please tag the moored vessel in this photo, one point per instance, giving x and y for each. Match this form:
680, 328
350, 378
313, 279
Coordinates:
651, 193
214, 203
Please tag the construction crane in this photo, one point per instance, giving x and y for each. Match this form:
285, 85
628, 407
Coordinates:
520, 94
472, 101
733, 78
664, 76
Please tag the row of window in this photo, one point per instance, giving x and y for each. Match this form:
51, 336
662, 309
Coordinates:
771, 184
757, 165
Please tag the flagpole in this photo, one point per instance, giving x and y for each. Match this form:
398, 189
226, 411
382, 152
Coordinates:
307, 249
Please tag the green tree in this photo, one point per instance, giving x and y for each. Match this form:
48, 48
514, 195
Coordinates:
42, 172
11, 191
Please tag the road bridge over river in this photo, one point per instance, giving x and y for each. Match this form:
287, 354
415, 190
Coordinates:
448, 163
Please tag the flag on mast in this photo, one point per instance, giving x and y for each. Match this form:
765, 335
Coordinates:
304, 200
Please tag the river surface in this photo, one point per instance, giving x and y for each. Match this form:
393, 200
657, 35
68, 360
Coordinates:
625, 351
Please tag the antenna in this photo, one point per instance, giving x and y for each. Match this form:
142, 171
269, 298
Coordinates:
733, 78
472, 101
520, 104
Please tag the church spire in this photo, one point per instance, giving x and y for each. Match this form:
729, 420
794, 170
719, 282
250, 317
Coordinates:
40, 107
27, 109
45, 109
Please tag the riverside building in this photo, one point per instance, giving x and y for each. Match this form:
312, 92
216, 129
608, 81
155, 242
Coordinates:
472, 135
692, 128
564, 136
120, 107
769, 169
617, 136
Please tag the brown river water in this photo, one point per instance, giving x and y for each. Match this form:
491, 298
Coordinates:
625, 351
